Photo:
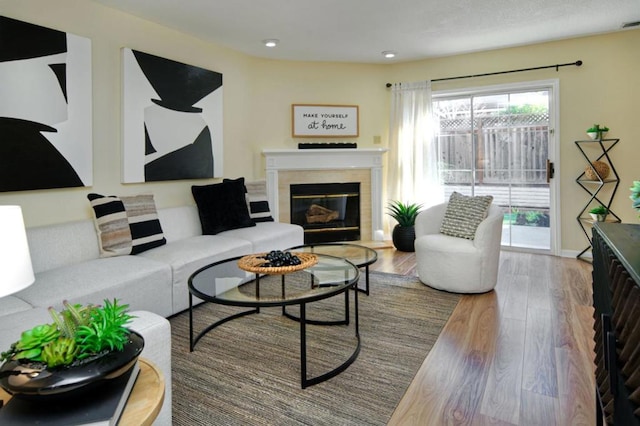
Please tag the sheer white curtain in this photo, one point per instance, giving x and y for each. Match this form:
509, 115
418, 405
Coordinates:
413, 157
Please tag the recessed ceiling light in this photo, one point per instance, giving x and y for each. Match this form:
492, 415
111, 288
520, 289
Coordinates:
271, 42
389, 54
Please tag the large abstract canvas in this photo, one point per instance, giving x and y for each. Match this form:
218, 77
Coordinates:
45, 108
172, 120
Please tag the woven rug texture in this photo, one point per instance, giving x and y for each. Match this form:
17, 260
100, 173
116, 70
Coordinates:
247, 372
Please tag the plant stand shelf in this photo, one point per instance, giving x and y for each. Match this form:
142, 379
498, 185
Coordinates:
596, 150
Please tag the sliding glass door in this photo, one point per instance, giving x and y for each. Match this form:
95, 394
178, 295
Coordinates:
499, 142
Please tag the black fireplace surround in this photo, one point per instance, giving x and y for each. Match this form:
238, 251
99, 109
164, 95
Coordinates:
327, 211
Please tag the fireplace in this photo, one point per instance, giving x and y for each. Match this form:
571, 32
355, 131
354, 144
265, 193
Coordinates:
286, 167
326, 211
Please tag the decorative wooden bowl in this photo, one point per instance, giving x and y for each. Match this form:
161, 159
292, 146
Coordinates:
254, 262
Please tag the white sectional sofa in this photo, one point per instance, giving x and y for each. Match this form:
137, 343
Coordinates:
67, 265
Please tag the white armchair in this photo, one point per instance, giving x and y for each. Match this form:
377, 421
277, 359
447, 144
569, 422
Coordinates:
454, 264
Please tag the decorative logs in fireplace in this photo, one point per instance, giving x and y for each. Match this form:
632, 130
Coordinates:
328, 212
319, 214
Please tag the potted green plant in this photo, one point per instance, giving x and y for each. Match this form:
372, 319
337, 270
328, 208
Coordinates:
599, 213
404, 233
635, 195
81, 345
597, 132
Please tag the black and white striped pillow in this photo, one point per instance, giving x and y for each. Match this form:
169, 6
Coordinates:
257, 201
126, 225
146, 231
111, 222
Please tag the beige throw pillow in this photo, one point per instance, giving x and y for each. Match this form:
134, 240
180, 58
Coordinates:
464, 214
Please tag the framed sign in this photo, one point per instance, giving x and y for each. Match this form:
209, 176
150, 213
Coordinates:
324, 121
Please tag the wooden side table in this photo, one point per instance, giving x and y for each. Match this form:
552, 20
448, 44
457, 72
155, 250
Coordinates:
145, 400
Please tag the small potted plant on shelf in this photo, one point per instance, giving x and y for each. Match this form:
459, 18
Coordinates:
404, 233
599, 213
635, 195
597, 132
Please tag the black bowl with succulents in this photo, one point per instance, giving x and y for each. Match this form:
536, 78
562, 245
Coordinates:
84, 346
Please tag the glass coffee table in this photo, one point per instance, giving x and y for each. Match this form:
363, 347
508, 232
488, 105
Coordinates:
225, 283
360, 256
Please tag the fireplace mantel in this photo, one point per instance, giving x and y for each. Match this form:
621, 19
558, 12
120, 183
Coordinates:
335, 163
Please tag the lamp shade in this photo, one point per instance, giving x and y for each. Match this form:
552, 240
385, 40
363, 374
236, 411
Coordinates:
16, 271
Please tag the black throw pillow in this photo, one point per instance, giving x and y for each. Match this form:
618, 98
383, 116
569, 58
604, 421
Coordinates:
222, 206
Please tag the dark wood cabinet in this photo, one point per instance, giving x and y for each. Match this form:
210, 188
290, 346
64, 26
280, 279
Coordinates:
616, 301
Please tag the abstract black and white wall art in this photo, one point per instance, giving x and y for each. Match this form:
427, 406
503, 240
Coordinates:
172, 120
45, 108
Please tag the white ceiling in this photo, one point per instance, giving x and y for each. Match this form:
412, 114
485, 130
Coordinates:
359, 30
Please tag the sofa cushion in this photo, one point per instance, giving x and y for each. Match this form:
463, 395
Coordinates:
222, 206
143, 284
188, 255
180, 222
127, 224
257, 201
12, 304
54, 246
267, 236
464, 214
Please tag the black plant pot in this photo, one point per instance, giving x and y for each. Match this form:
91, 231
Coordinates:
404, 238
28, 381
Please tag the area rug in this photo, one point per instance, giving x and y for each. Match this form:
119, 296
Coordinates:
247, 372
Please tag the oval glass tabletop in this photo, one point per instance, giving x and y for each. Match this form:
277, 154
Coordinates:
226, 283
357, 254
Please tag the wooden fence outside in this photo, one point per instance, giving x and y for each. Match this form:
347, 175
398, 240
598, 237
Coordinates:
508, 196
503, 153
510, 159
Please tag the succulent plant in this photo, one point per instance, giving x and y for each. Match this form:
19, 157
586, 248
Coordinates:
31, 343
77, 332
61, 351
105, 331
69, 319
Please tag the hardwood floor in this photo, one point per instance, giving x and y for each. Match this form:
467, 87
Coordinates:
519, 355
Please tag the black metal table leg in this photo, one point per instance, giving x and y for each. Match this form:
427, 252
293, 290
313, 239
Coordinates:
283, 295
190, 322
355, 303
305, 382
366, 278
346, 307
303, 345
258, 290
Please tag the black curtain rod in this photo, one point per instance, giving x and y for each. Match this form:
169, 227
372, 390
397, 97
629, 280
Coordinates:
557, 66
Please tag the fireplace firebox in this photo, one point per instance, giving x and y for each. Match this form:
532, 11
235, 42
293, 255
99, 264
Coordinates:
326, 211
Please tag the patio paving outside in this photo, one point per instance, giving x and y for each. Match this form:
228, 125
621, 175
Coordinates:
530, 237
